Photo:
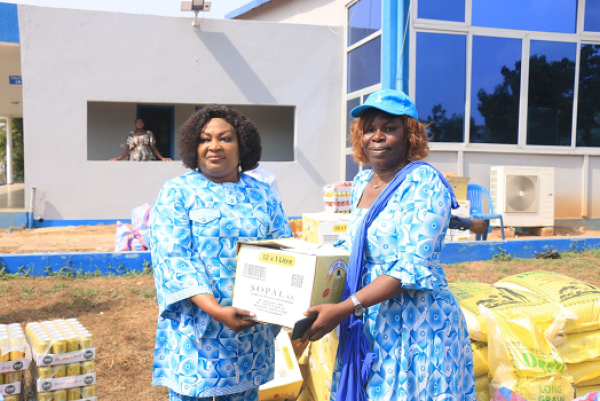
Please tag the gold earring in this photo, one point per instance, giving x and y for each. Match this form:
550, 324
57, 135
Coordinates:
239, 166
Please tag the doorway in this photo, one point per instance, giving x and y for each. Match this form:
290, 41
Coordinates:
159, 120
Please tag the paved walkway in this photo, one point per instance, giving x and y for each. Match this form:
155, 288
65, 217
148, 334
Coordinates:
12, 198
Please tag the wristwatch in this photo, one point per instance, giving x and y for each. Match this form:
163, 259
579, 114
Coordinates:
358, 308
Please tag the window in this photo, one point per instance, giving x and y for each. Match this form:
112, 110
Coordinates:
440, 91
510, 69
495, 89
550, 100
447, 10
364, 19
591, 22
531, 15
364, 65
588, 109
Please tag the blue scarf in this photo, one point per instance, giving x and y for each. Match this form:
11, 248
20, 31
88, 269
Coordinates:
354, 347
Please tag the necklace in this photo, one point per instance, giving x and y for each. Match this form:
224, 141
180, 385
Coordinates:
378, 176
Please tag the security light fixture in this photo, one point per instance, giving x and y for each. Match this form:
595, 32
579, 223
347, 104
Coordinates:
195, 6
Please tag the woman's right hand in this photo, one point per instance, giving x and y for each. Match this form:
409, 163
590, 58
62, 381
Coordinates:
235, 318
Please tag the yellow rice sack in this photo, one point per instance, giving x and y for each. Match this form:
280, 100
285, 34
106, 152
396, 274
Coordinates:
585, 373
505, 301
480, 358
524, 361
581, 347
580, 298
482, 388
585, 390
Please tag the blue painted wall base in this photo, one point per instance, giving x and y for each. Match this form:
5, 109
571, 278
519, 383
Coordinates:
117, 263
13, 219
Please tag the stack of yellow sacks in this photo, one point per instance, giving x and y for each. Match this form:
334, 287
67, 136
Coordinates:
507, 304
581, 350
63, 360
15, 357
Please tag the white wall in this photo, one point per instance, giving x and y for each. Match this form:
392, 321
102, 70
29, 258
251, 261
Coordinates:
315, 12
70, 57
569, 177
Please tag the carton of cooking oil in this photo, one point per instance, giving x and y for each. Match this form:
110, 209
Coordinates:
288, 379
278, 280
324, 228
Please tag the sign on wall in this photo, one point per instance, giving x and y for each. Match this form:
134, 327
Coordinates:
15, 80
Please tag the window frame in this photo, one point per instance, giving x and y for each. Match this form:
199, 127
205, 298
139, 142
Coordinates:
361, 93
450, 27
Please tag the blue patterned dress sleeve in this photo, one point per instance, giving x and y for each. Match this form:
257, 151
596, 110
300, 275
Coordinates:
421, 212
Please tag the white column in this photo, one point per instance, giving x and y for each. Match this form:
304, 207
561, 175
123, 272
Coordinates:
9, 150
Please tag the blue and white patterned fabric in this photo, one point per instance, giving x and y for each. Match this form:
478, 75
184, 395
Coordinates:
250, 395
420, 338
195, 226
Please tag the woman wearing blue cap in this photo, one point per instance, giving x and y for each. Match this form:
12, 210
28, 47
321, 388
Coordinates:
403, 335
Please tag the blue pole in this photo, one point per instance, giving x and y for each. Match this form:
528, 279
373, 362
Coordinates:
389, 44
402, 60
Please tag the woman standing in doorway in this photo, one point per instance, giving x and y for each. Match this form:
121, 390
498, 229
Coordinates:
141, 145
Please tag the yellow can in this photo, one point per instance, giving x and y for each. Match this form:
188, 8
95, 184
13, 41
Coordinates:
1, 378
88, 391
17, 346
4, 348
59, 346
44, 372
88, 367
86, 341
12, 377
73, 369
14, 397
59, 371
43, 346
59, 395
74, 393
72, 344
44, 396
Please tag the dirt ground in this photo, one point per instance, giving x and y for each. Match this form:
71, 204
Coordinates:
101, 238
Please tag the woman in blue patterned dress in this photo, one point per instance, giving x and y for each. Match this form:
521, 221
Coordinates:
206, 348
413, 325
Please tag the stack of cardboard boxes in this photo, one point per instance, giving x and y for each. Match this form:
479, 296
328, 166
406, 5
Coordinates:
15, 357
459, 186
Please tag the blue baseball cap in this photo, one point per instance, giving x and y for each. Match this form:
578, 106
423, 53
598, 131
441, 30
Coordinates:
389, 100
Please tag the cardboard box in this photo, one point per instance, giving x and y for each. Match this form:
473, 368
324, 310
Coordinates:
464, 209
321, 363
288, 379
459, 186
460, 238
279, 280
324, 228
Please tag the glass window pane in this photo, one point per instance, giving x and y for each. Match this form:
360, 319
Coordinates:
447, 10
550, 100
351, 168
495, 90
591, 22
588, 106
530, 15
350, 104
364, 18
364, 65
440, 87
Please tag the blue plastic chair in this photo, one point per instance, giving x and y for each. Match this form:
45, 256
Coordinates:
475, 195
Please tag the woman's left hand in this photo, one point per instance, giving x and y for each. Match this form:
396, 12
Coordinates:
166, 159
329, 316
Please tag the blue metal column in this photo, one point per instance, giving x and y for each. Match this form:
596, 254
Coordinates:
389, 44
403, 54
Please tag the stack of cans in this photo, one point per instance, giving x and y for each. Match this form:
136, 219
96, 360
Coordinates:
15, 357
63, 355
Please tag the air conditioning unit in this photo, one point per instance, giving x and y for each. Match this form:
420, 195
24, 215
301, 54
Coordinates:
524, 195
